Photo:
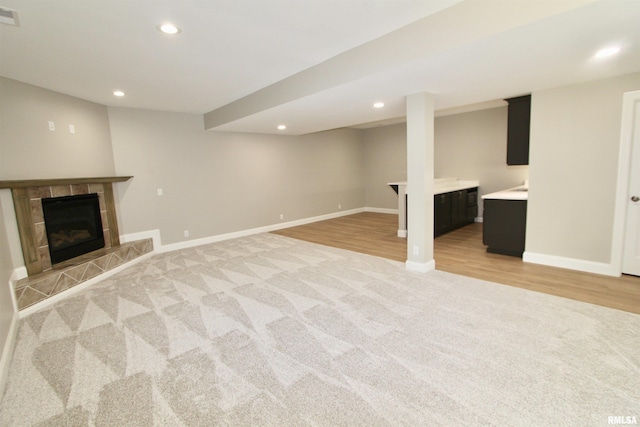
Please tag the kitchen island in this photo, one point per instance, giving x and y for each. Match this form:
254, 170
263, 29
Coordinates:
505, 221
455, 204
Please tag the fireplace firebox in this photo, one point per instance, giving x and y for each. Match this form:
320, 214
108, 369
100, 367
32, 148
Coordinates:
73, 225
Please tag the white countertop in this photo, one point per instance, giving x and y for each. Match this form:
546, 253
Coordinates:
445, 185
516, 193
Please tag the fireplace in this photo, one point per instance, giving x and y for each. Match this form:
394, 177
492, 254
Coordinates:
27, 200
43, 279
73, 225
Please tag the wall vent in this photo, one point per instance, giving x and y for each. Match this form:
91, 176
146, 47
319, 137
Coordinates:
9, 17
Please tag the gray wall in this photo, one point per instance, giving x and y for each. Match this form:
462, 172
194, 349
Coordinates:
29, 150
474, 146
469, 145
216, 183
575, 137
213, 183
6, 270
385, 160
575, 133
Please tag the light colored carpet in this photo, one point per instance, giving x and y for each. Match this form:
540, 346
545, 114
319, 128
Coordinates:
267, 330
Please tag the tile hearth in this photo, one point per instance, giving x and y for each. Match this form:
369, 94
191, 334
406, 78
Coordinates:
39, 287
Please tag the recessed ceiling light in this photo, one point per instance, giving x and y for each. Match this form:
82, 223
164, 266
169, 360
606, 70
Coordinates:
169, 29
282, 127
607, 52
378, 105
118, 93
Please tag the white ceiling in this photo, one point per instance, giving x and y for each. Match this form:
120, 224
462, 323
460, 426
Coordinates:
249, 65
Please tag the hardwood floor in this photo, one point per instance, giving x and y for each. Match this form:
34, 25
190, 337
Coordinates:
462, 252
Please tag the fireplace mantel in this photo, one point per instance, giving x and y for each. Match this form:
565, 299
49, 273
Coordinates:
27, 195
24, 183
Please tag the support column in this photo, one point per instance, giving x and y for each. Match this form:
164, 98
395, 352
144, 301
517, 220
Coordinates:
402, 211
420, 176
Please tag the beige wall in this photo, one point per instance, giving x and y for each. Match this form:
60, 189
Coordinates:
213, 183
474, 146
469, 145
29, 150
575, 135
216, 183
385, 160
6, 303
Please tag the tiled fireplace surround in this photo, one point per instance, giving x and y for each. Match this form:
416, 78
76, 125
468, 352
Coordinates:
45, 280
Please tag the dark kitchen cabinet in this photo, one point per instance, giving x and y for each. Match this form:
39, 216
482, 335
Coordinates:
472, 205
518, 126
441, 213
454, 209
458, 207
504, 226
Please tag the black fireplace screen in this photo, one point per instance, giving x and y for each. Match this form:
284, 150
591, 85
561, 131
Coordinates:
73, 224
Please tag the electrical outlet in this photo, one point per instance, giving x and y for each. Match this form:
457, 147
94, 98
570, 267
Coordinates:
339, 206
186, 233
72, 129
281, 216
416, 250
52, 126
160, 192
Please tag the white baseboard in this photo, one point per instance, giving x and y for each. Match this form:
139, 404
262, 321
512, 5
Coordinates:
149, 234
381, 210
571, 263
19, 273
160, 248
7, 351
250, 231
420, 267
